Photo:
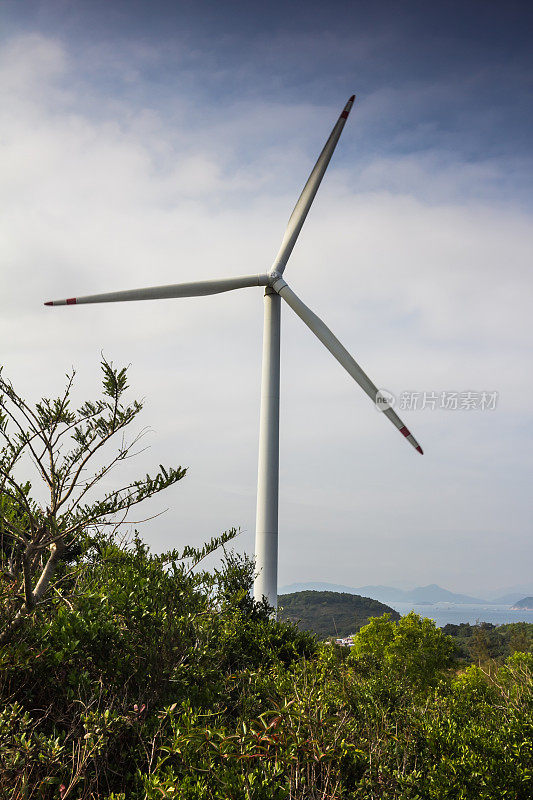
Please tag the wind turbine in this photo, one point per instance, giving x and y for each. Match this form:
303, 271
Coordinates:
266, 543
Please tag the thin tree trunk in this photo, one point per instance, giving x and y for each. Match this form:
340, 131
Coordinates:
35, 596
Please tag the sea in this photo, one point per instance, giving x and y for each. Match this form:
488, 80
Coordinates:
456, 613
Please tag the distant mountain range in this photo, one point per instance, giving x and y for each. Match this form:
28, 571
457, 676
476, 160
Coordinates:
508, 599
389, 594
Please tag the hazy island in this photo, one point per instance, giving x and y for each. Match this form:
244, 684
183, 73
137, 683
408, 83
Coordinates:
525, 604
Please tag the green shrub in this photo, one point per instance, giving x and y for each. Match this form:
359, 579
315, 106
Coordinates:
157, 680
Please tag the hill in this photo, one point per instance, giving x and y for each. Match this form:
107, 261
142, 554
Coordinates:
527, 602
330, 613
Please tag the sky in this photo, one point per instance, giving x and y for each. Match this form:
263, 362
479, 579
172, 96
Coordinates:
146, 143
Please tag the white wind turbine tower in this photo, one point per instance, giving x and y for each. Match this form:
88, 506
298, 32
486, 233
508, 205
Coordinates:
266, 543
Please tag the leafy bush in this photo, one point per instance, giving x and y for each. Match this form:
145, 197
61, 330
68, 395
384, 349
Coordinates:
159, 680
413, 651
142, 632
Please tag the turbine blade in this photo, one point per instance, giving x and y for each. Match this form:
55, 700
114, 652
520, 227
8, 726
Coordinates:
341, 354
194, 289
307, 196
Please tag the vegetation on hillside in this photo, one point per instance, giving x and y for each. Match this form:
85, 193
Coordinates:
484, 641
139, 677
330, 613
159, 679
336, 614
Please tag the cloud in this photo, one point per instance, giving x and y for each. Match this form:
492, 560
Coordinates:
418, 270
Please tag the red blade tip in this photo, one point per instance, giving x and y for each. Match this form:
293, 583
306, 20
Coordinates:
49, 303
347, 107
420, 450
